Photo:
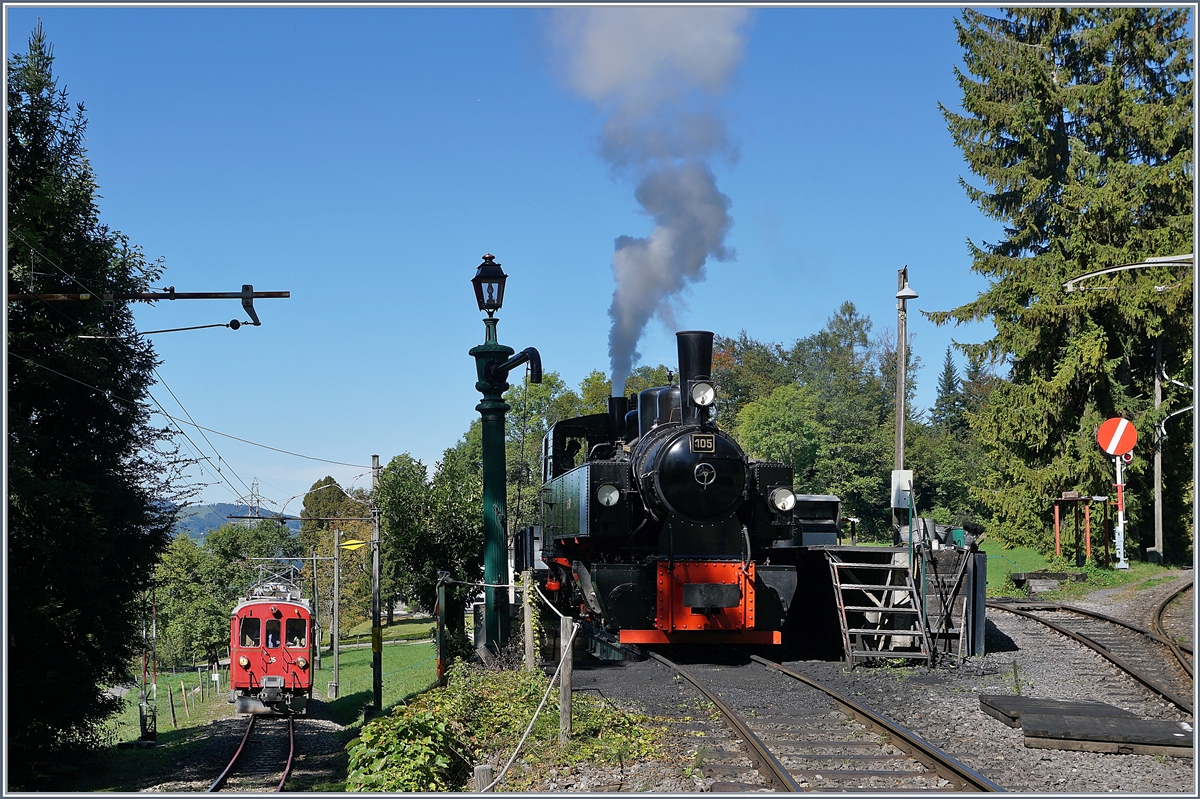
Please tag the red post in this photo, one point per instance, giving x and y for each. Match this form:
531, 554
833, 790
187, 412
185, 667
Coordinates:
1087, 530
1057, 538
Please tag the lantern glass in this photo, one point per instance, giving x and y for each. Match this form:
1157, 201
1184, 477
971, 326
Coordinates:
489, 285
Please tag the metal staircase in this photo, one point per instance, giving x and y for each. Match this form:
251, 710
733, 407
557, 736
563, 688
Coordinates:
879, 607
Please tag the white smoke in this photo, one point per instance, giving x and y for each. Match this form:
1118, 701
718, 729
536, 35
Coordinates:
657, 73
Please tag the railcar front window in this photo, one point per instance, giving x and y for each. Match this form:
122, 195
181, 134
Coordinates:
273, 633
296, 633
250, 632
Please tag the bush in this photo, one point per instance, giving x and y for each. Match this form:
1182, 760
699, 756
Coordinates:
481, 714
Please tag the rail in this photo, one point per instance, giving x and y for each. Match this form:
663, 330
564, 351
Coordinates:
773, 769
216, 786
946, 766
1157, 623
237, 756
1183, 703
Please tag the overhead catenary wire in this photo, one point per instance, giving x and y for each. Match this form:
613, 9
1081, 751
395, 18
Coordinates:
111, 395
189, 416
196, 449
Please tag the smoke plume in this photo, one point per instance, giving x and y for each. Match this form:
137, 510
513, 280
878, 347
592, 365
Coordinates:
656, 73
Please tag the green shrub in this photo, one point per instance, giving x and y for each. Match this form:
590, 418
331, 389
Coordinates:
432, 743
413, 749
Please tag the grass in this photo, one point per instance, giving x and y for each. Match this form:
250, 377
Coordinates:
1004, 562
407, 670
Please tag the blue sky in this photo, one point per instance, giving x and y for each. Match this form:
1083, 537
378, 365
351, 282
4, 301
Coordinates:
364, 159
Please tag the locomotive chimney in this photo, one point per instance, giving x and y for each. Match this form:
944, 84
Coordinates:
617, 408
695, 373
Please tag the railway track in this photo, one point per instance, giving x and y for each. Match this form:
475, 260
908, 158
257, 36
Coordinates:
823, 741
263, 759
1173, 619
1145, 655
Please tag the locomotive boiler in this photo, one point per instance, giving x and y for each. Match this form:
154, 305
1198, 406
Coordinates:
658, 527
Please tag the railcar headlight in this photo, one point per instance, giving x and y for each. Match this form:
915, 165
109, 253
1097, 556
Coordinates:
244, 662
783, 500
302, 662
608, 495
703, 393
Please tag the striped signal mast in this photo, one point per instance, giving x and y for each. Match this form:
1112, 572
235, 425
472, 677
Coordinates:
1117, 437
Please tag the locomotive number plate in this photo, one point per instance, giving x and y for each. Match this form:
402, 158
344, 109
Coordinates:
704, 442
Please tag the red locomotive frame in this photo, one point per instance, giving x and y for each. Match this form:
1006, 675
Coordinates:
271, 651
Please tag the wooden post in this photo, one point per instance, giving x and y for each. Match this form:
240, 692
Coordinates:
441, 633
527, 607
566, 629
183, 693
1087, 530
200, 682
1057, 536
483, 777
171, 702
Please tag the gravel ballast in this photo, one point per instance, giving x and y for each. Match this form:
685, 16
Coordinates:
941, 706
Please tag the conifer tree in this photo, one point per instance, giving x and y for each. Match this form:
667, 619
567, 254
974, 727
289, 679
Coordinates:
948, 408
1078, 124
90, 505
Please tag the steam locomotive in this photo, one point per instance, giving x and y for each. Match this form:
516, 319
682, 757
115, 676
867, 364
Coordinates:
659, 528
271, 651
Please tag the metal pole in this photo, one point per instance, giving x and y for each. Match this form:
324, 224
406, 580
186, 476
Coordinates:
1156, 554
1120, 564
376, 629
901, 363
316, 631
337, 597
495, 542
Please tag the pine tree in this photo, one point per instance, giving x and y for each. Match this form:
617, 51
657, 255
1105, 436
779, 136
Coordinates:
1079, 123
948, 408
89, 498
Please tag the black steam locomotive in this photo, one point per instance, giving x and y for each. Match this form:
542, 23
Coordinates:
658, 527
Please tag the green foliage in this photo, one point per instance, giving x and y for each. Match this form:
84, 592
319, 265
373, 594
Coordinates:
644, 377
533, 408
781, 427
1080, 123
430, 525
410, 750
435, 740
331, 511
90, 480
197, 586
745, 371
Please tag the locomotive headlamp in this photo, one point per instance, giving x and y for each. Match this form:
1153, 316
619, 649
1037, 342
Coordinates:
608, 495
302, 662
783, 500
489, 285
702, 393
244, 662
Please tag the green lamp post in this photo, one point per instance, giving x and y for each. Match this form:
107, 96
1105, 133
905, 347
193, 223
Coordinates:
493, 362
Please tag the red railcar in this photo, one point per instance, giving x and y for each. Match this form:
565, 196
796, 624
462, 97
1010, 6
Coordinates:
271, 651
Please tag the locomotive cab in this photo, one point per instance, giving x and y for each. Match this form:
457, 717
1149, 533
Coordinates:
271, 652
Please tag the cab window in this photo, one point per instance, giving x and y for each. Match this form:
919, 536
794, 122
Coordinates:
272, 633
295, 630
250, 631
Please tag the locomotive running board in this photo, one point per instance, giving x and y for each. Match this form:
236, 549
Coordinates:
701, 637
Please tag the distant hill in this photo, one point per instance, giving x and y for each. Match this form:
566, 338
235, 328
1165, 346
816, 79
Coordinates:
195, 521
